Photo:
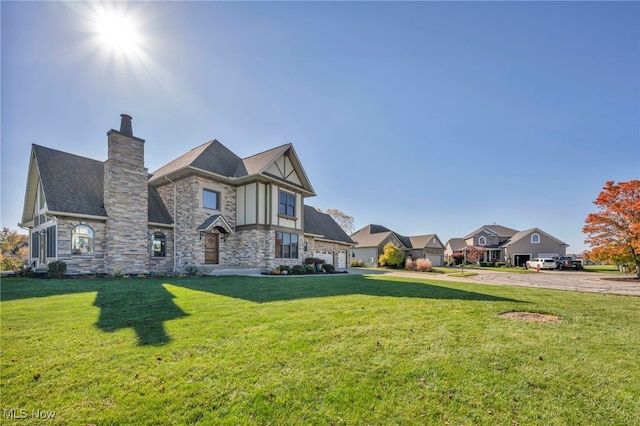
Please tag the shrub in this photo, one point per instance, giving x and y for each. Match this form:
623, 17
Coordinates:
328, 268
299, 270
25, 271
189, 269
483, 264
408, 264
491, 264
501, 264
313, 261
10, 263
392, 256
56, 269
423, 265
286, 269
356, 263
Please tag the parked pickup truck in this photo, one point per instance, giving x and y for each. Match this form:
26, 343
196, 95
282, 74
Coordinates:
542, 263
566, 262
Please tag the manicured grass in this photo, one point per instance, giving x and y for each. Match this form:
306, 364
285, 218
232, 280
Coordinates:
603, 269
341, 349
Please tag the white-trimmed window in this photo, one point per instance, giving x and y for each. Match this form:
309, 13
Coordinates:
158, 245
535, 238
482, 240
210, 199
82, 240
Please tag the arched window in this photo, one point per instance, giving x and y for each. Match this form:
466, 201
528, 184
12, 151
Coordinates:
82, 241
535, 238
482, 240
158, 245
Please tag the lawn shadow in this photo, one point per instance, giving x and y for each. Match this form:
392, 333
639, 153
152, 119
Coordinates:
143, 306
263, 290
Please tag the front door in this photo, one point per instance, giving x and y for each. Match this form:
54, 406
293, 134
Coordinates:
211, 248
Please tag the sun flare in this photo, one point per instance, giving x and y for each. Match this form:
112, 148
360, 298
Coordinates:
116, 31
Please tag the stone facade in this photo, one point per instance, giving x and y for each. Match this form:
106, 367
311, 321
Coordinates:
81, 264
126, 204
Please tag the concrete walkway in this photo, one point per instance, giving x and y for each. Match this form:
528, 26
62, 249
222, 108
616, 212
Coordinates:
557, 280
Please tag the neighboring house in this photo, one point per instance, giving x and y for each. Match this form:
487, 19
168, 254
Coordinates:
371, 239
209, 208
507, 245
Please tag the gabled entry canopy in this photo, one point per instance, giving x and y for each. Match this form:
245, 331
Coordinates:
218, 222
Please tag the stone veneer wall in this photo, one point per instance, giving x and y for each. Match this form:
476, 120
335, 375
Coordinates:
190, 214
126, 203
81, 264
314, 245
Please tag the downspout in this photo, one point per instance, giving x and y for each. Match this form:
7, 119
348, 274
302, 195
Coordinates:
175, 225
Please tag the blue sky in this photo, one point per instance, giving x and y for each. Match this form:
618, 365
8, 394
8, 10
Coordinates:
425, 117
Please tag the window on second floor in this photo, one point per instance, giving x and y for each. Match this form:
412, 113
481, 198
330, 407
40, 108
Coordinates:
482, 241
287, 204
210, 199
535, 238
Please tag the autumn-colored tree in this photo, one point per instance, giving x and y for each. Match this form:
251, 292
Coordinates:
10, 240
457, 257
391, 256
475, 253
342, 219
614, 231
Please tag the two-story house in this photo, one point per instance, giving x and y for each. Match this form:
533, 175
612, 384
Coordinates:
502, 244
208, 208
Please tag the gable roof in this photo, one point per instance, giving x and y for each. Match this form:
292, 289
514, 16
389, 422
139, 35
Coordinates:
373, 235
71, 183
523, 234
213, 157
457, 244
422, 241
75, 185
323, 225
498, 230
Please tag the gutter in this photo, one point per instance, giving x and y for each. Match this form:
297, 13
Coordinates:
175, 228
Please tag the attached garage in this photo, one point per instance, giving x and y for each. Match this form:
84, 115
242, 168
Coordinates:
327, 257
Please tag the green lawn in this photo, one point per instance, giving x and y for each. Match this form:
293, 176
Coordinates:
603, 269
341, 349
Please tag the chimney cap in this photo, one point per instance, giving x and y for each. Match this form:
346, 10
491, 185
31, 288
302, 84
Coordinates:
125, 125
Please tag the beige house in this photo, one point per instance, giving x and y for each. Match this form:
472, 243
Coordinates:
370, 242
208, 208
506, 245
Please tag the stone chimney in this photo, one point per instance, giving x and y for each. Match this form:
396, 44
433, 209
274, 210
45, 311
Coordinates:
126, 202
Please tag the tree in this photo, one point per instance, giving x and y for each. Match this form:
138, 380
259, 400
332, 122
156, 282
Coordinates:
10, 240
344, 220
457, 257
392, 256
474, 253
614, 231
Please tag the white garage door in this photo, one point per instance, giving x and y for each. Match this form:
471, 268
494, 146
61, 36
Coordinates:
342, 259
327, 257
435, 260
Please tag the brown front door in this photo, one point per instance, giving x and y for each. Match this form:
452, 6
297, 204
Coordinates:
211, 248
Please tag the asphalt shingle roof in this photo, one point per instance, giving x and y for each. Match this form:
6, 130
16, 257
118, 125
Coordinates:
75, 184
319, 223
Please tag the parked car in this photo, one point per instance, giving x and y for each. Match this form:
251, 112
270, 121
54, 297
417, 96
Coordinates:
567, 262
542, 263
